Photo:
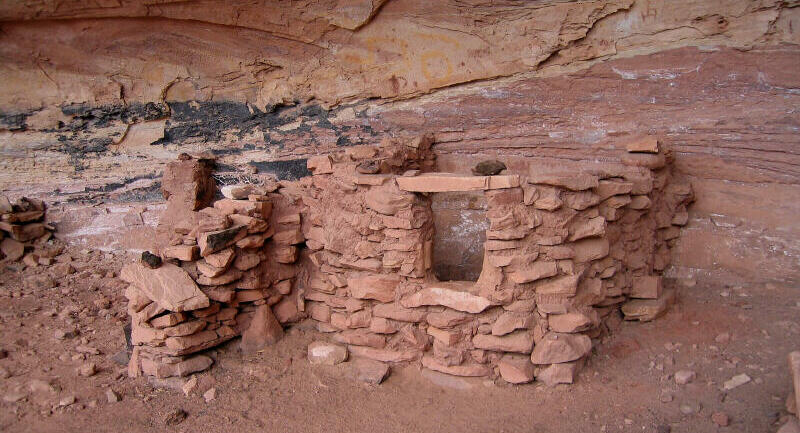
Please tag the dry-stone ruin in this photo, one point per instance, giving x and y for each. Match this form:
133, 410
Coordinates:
570, 249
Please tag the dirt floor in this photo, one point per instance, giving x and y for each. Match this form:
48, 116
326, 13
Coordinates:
628, 385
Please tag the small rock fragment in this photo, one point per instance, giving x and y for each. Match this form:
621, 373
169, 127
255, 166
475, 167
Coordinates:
151, 260
489, 167
736, 381
720, 418
112, 396
369, 371
682, 377
88, 369
68, 400
189, 386
321, 352
175, 417
690, 407
210, 395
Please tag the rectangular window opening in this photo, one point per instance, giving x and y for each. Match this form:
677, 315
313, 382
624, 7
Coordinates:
460, 225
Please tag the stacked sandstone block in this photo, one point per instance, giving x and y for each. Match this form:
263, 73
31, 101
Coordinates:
22, 229
565, 249
227, 271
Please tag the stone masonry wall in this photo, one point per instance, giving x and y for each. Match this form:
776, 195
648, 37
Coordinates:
351, 246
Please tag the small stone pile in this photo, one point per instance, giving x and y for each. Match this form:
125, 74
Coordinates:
23, 232
226, 271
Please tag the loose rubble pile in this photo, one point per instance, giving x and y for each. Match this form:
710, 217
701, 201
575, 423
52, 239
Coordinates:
226, 271
350, 247
23, 232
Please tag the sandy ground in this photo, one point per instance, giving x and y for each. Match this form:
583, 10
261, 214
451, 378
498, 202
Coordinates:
628, 385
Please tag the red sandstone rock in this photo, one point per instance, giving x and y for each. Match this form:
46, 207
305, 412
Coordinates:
185, 328
264, 330
573, 321
518, 341
380, 325
169, 286
320, 164
397, 312
212, 242
185, 253
646, 287
794, 369
648, 309
559, 373
289, 236
367, 370
184, 368
455, 370
557, 348
588, 228
13, 250
261, 209
246, 260
384, 355
535, 271
253, 241
446, 337
590, 249
510, 321
564, 285
447, 318
167, 320
609, 188
571, 181
228, 277
254, 225
188, 184
361, 337
379, 287
386, 202
516, 369
647, 144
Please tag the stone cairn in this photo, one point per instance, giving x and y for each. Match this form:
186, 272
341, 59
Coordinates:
225, 271
571, 249
22, 230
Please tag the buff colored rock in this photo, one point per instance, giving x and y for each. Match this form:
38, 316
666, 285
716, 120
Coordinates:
457, 300
169, 285
322, 352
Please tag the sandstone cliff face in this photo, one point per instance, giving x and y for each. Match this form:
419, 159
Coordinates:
98, 96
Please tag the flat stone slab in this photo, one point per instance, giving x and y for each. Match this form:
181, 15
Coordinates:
449, 182
170, 286
451, 295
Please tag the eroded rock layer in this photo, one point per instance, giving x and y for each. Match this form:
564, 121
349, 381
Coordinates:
98, 97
